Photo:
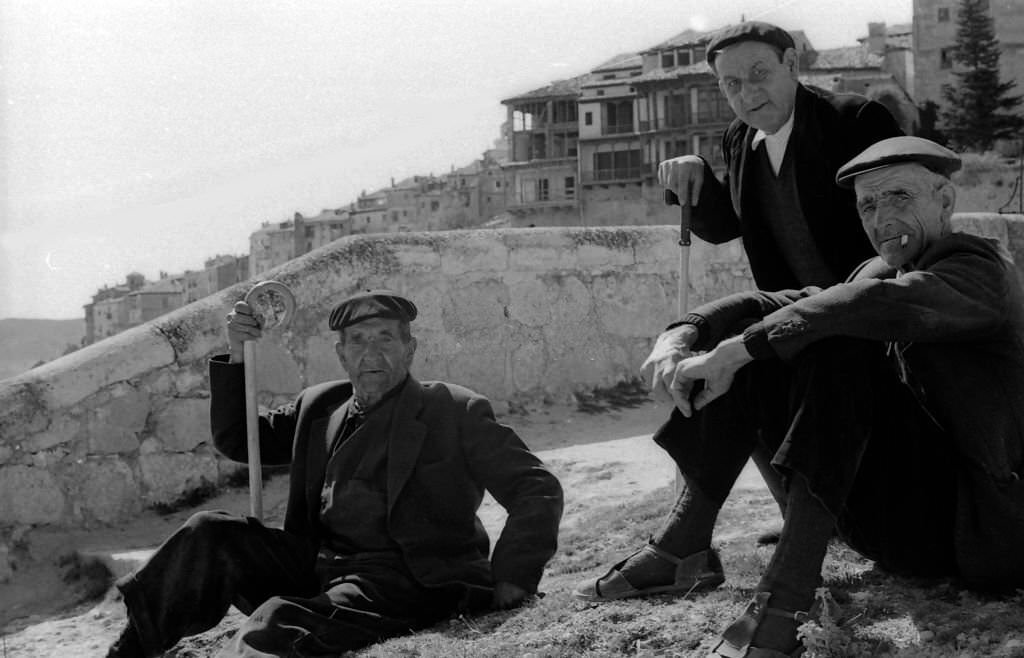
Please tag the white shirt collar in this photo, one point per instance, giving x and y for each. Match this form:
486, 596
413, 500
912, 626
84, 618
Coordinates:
776, 142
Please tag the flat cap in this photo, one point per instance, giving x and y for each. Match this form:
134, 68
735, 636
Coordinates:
371, 304
772, 35
897, 150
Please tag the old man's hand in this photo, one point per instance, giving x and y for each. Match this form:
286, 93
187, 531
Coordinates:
716, 368
508, 595
243, 324
671, 347
681, 174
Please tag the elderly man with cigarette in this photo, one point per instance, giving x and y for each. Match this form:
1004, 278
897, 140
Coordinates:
893, 404
380, 535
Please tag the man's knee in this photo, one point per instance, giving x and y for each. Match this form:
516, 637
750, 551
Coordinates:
214, 525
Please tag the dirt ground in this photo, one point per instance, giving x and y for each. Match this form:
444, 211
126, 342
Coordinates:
601, 455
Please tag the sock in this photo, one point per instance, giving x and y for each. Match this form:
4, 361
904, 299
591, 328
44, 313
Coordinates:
795, 568
686, 530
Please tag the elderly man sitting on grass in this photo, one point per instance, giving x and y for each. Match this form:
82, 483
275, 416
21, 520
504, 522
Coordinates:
380, 536
893, 404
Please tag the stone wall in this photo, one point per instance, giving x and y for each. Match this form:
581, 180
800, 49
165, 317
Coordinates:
523, 314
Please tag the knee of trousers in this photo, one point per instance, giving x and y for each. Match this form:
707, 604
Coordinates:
214, 524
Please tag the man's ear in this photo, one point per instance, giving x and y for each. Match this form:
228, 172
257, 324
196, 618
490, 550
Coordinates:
339, 350
791, 61
947, 193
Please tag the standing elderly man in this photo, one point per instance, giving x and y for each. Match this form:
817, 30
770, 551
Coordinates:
380, 535
779, 194
896, 401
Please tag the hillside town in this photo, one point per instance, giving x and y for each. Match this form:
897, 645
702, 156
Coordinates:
584, 151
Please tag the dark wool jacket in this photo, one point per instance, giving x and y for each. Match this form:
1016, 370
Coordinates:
444, 450
962, 314
828, 130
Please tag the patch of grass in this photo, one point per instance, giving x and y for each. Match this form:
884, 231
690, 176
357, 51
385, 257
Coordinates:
869, 613
87, 578
626, 394
187, 500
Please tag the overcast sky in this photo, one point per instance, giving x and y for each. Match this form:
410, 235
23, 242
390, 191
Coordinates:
150, 135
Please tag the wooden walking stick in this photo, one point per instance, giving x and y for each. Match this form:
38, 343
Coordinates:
274, 303
683, 293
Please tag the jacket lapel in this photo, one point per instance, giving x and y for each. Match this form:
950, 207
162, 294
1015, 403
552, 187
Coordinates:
322, 432
743, 145
405, 439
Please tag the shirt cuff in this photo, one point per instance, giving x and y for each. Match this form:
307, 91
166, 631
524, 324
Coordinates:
697, 321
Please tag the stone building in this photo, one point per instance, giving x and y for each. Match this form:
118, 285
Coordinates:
107, 313
880, 67
934, 35
275, 243
153, 300
543, 167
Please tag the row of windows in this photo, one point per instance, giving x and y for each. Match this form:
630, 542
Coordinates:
699, 105
682, 57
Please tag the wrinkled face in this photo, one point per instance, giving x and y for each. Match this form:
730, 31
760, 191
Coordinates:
375, 355
903, 208
760, 89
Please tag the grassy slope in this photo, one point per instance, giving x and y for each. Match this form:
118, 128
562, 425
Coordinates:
879, 615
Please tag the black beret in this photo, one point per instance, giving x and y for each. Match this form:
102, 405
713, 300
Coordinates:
371, 304
897, 150
748, 31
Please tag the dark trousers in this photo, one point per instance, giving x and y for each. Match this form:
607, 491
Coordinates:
839, 416
298, 604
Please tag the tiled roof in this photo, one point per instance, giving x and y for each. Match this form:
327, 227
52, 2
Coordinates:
700, 68
568, 88
621, 61
684, 38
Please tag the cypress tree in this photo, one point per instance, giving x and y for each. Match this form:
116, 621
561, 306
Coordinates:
979, 108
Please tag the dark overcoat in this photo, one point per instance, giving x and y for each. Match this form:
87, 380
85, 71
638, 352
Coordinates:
444, 449
958, 320
828, 130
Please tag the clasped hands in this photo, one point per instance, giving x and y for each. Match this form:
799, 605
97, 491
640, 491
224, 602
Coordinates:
673, 368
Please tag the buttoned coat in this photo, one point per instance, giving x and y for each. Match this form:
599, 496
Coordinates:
444, 449
828, 130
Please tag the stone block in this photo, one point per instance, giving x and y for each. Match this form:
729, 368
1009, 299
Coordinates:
477, 254
23, 409
107, 491
478, 361
115, 427
632, 306
196, 331
168, 477
128, 355
30, 495
528, 361
480, 305
418, 257
321, 360
183, 424
65, 428
276, 369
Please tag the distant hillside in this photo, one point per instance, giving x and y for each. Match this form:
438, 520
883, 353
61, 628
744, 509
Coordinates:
23, 343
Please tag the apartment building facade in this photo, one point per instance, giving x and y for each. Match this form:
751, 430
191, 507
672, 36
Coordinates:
543, 167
